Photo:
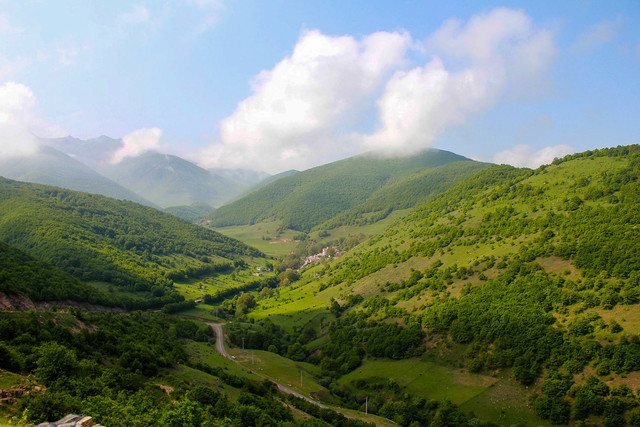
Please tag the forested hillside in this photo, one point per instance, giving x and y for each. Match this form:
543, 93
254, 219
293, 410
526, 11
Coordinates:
21, 274
133, 369
513, 274
95, 238
406, 193
306, 199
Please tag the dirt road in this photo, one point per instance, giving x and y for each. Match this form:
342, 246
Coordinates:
223, 351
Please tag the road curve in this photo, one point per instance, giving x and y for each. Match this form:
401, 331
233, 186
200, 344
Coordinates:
223, 351
219, 339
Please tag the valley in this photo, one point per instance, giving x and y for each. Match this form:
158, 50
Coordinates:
452, 292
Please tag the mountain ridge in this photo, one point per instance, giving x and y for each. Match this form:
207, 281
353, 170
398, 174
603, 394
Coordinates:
306, 199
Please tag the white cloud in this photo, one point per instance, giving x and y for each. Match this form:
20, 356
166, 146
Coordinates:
493, 53
304, 110
138, 142
17, 102
524, 155
418, 105
291, 118
597, 35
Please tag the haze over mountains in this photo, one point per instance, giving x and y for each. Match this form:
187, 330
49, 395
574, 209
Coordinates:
154, 179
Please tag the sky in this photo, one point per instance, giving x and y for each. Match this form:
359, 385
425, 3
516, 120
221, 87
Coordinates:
277, 85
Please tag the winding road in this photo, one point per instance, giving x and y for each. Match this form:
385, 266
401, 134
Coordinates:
223, 352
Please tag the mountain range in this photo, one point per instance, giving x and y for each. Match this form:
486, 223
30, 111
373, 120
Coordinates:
154, 179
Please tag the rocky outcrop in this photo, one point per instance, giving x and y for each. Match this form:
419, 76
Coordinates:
71, 420
10, 396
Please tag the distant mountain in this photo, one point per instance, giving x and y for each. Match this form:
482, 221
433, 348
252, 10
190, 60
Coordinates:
171, 181
52, 167
246, 177
406, 192
307, 199
95, 153
165, 180
192, 213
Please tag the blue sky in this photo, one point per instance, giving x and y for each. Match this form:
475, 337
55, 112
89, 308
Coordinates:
274, 85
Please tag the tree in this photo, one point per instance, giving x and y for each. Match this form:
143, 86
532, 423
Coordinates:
56, 362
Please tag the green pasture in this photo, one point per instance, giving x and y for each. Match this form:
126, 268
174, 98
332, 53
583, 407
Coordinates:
282, 370
263, 236
9, 379
424, 378
203, 311
207, 354
504, 403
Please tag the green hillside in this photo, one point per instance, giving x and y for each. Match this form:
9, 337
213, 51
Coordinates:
21, 274
406, 193
307, 199
94, 238
192, 213
525, 280
134, 369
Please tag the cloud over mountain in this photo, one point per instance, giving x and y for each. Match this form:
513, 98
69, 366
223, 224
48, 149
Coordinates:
296, 108
138, 142
524, 156
493, 53
303, 110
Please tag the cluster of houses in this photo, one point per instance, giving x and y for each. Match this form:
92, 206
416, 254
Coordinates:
320, 256
260, 272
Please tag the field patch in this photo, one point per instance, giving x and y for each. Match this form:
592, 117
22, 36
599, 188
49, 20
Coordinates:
424, 378
504, 403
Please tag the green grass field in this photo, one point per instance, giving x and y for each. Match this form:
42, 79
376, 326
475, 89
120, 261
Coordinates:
283, 371
504, 403
424, 378
263, 236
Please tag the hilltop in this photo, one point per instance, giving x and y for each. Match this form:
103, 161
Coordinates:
306, 199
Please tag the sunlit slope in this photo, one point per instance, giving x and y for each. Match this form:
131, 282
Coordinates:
306, 199
525, 275
100, 239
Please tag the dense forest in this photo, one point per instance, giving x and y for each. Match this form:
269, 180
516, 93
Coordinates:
95, 238
307, 199
114, 367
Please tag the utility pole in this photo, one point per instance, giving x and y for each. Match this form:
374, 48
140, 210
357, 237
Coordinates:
366, 404
300, 377
243, 343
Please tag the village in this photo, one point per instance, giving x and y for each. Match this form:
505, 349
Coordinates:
327, 252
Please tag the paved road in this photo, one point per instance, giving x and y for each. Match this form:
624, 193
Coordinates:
223, 351
219, 339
